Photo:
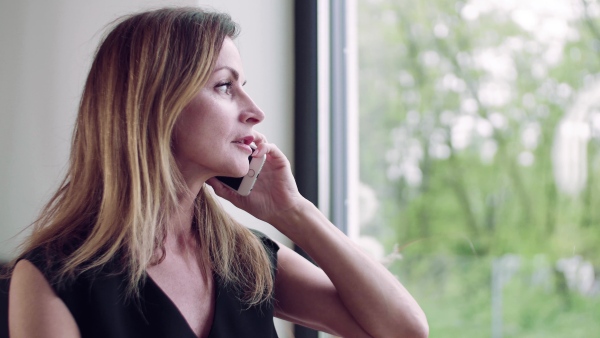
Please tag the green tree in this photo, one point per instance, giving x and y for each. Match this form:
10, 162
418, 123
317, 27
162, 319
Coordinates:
460, 106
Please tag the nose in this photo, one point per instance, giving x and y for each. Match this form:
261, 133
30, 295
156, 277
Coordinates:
251, 113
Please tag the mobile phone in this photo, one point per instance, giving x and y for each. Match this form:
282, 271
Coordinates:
243, 185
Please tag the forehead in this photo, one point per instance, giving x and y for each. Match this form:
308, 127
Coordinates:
229, 56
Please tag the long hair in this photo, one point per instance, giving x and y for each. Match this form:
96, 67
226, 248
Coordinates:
122, 182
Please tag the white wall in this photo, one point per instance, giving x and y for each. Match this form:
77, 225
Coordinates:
45, 52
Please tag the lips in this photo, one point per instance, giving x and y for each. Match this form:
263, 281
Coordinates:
246, 143
247, 140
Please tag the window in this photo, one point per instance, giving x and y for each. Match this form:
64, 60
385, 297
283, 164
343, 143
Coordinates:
468, 149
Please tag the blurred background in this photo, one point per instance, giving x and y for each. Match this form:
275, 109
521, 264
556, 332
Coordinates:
472, 139
483, 193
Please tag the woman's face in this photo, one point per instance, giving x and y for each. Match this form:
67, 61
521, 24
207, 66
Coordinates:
213, 133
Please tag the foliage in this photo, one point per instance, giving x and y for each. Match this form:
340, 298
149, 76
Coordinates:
456, 294
465, 112
463, 102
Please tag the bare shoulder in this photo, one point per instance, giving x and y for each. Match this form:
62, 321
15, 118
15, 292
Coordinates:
34, 309
27, 275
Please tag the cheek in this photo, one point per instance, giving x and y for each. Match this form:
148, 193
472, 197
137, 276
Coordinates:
195, 135
215, 125
203, 123
185, 135
190, 123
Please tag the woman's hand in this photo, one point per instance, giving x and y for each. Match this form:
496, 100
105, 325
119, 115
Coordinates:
275, 191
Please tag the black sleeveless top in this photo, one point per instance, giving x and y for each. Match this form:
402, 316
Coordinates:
100, 310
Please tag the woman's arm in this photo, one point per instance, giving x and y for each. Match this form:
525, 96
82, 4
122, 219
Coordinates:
305, 295
351, 290
34, 310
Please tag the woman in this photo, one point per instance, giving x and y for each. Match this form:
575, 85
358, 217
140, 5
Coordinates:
134, 245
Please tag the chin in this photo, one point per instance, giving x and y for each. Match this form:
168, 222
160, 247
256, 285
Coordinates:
237, 167
240, 171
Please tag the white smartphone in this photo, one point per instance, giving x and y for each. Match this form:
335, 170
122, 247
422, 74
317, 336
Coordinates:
243, 185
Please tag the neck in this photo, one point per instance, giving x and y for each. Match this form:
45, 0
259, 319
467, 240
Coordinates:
180, 234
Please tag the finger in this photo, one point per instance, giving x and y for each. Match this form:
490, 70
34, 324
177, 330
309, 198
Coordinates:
262, 149
259, 138
269, 148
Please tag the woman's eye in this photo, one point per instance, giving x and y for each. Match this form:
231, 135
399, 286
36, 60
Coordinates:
224, 88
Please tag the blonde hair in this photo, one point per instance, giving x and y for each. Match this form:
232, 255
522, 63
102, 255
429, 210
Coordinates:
122, 182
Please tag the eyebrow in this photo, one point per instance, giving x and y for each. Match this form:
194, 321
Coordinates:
235, 73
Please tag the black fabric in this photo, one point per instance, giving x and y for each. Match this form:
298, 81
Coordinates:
96, 302
4, 283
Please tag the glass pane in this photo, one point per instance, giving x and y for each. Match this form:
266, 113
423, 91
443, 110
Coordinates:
479, 160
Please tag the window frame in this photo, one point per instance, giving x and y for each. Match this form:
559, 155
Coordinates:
326, 113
